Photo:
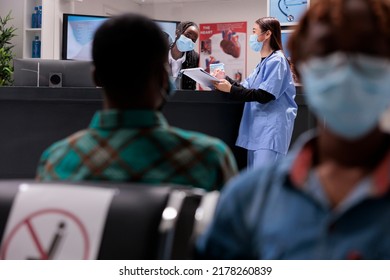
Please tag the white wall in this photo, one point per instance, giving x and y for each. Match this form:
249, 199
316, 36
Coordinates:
16, 6
202, 12
105, 7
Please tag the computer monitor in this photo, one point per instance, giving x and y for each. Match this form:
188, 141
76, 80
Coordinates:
78, 32
169, 28
52, 72
77, 35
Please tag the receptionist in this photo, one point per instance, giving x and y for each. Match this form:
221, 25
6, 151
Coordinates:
182, 54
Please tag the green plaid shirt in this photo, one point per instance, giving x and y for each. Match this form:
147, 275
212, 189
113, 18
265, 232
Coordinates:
138, 146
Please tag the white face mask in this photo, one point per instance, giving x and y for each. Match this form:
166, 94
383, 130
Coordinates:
350, 92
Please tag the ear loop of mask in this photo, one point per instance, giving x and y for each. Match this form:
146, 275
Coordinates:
168, 92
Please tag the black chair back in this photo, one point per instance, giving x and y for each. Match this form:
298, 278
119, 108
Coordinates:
139, 223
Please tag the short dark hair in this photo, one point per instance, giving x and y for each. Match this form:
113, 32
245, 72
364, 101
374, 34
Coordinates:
128, 51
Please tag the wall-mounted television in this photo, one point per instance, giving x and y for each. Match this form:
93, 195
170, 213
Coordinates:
78, 32
77, 35
169, 28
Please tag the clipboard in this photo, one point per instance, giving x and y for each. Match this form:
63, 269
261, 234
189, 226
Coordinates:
200, 76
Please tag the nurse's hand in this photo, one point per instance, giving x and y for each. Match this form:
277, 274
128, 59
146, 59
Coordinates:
222, 85
218, 73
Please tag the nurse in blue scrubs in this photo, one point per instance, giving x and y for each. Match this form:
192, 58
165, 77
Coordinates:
270, 109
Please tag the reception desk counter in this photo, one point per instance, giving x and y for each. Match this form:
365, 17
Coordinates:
33, 118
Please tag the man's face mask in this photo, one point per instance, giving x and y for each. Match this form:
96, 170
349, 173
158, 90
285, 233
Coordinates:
185, 44
171, 90
349, 91
168, 92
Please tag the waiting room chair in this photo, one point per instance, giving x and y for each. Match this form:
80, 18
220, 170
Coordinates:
143, 221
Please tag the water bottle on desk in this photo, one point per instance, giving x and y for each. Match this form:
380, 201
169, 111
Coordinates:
36, 48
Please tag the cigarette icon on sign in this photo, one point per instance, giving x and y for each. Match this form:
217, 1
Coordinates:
56, 240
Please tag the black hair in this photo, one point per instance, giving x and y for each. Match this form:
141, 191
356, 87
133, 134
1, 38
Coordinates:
183, 26
128, 51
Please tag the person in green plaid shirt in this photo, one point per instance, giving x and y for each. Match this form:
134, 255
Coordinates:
130, 140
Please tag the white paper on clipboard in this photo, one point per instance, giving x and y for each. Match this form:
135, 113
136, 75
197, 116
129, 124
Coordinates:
200, 76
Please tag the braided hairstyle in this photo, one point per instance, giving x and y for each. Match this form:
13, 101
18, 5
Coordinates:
182, 27
352, 26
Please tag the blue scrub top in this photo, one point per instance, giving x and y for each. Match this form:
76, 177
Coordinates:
270, 125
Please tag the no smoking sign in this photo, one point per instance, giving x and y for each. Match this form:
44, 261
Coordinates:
47, 234
56, 222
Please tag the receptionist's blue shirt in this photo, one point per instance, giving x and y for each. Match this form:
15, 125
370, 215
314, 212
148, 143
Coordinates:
269, 125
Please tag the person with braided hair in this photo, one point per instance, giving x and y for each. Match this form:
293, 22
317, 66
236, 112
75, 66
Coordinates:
182, 54
330, 197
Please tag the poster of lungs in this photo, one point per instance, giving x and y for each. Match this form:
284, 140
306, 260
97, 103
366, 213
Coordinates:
288, 12
224, 44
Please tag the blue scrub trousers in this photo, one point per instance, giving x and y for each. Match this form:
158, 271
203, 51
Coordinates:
258, 158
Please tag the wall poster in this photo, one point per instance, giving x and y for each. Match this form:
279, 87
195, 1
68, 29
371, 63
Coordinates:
288, 12
285, 36
224, 43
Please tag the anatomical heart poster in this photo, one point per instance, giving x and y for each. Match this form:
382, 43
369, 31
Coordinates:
224, 43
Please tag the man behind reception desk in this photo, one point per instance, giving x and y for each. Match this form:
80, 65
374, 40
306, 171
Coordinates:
130, 140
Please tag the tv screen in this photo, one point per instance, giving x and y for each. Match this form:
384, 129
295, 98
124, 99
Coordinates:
78, 32
169, 28
52, 72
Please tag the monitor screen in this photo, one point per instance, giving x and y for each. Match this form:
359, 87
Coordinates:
78, 32
52, 72
169, 28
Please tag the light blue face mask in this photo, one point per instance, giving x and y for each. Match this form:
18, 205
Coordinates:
168, 92
171, 90
350, 92
254, 44
185, 44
